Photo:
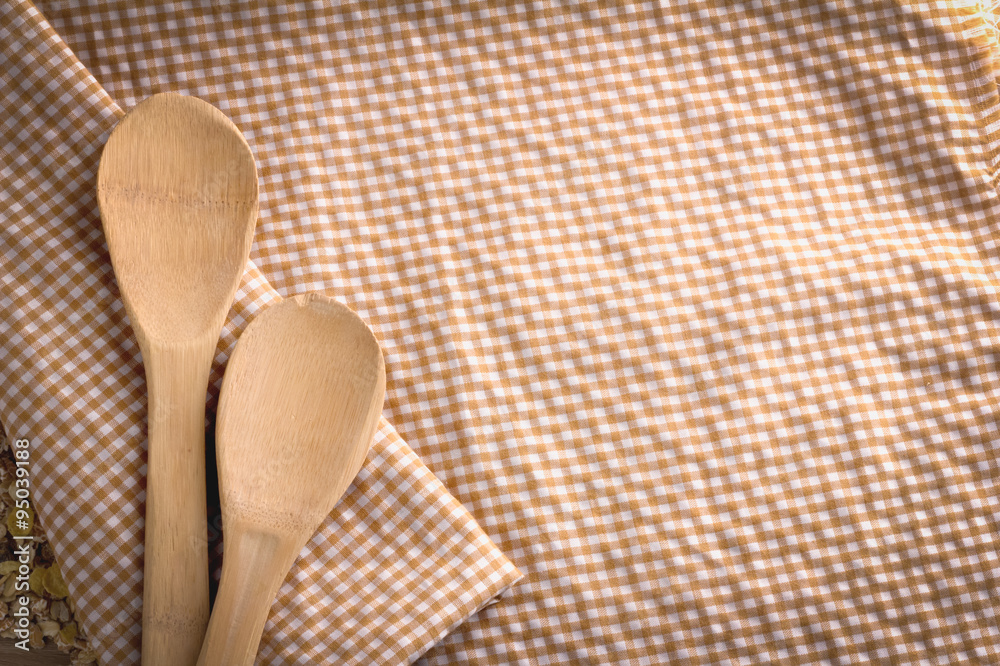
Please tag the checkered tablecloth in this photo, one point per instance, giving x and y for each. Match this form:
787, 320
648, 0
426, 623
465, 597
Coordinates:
691, 306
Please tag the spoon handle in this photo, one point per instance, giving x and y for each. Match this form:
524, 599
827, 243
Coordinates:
175, 592
255, 563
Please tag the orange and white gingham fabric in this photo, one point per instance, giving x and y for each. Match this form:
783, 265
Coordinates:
396, 565
693, 306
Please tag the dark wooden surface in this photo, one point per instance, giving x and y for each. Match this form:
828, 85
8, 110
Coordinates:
48, 656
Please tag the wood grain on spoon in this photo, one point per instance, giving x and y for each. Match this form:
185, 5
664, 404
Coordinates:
177, 188
300, 402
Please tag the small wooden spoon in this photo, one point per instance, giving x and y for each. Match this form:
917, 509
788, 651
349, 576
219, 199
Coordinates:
300, 402
177, 188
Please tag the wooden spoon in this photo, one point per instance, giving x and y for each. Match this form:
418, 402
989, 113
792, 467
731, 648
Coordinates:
177, 188
300, 402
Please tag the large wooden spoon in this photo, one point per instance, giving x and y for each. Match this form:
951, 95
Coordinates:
177, 188
300, 402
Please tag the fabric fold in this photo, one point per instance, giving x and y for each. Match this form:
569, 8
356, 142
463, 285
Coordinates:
398, 563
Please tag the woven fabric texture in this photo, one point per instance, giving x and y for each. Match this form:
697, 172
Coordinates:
396, 565
692, 305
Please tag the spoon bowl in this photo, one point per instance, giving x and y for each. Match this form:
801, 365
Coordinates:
299, 406
177, 189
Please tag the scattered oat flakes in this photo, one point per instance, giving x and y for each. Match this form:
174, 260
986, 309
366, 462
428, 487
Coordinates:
35, 581
50, 628
51, 609
54, 583
59, 611
67, 634
35, 637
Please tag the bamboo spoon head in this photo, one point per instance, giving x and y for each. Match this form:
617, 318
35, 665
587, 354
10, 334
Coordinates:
300, 402
177, 189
